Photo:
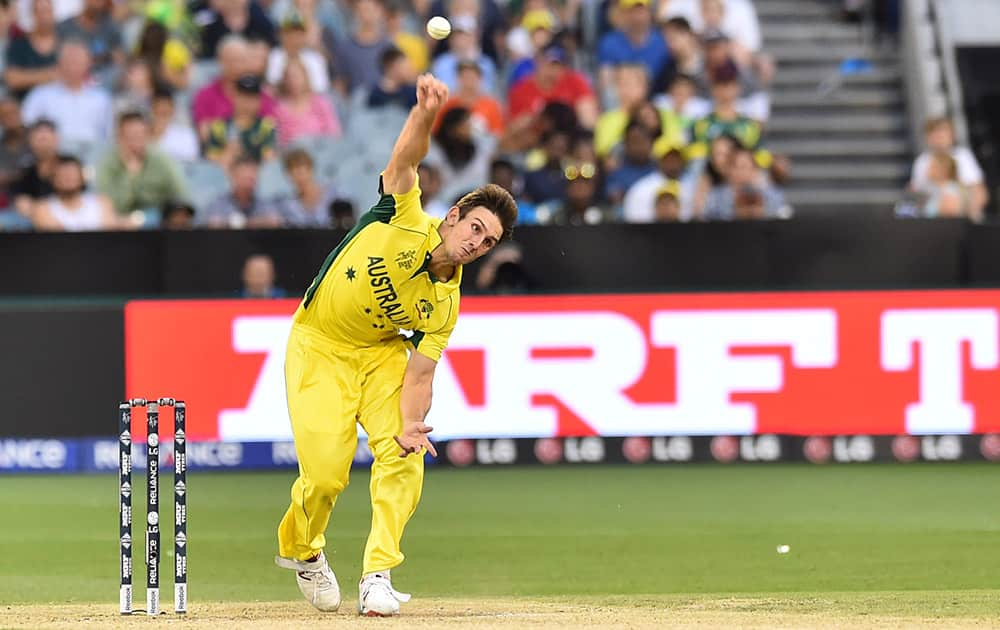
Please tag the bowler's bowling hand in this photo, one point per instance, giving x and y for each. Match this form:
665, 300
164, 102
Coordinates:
414, 437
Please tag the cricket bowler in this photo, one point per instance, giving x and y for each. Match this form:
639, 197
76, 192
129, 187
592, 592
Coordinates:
348, 363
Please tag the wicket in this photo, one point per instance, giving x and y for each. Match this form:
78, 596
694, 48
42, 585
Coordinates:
152, 503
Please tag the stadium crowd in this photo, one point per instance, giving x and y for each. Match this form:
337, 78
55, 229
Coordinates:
271, 113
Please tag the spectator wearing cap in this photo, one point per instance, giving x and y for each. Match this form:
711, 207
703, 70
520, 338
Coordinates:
70, 207
177, 216
355, 56
636, 41
31, 58
667, 204
95, 26
582, 203
460, 155
746, 193
725, 118
235, 17
241, 206
247, 132
301, 111
553, 82
636, 163
639, 205
294, 44
487, 115
34, 181
536, 31
215, 100
309, 204
632, 93
135, 175
463, 45
81, 111
177, 139
685, 53
14, 150
398, 83
754, 101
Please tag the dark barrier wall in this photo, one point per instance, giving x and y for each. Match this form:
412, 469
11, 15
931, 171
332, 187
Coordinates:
820, 252
61, 369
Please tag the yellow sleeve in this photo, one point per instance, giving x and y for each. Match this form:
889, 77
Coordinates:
403, 210
432, 344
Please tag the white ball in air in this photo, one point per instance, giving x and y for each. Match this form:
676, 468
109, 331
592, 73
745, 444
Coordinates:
438, 27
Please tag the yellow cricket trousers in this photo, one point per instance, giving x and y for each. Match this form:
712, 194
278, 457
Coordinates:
330, 388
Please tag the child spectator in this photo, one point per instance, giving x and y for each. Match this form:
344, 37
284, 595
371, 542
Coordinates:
940, 139
944, 193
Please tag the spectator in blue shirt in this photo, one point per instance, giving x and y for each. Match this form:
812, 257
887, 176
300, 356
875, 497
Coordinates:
635, 42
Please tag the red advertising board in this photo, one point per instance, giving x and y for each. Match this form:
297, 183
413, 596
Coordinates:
831, 363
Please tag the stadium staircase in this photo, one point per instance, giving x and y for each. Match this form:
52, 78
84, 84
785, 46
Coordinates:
838, 109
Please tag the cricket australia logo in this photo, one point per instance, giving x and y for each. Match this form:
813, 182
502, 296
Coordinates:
424, 309
406, 259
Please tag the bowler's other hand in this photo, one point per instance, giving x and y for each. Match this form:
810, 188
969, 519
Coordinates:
414, 437
432, 94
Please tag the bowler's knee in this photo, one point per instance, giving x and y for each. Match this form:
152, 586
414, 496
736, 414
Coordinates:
329, 484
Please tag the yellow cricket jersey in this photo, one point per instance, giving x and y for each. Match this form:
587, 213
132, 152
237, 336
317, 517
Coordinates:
377, 281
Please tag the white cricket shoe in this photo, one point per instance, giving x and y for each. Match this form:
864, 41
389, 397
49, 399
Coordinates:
316, 581
377, 597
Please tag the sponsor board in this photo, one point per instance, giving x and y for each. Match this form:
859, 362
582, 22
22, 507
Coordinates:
101, 455
740, 365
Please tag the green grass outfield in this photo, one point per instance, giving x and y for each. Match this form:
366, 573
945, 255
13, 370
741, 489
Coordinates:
599, 532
